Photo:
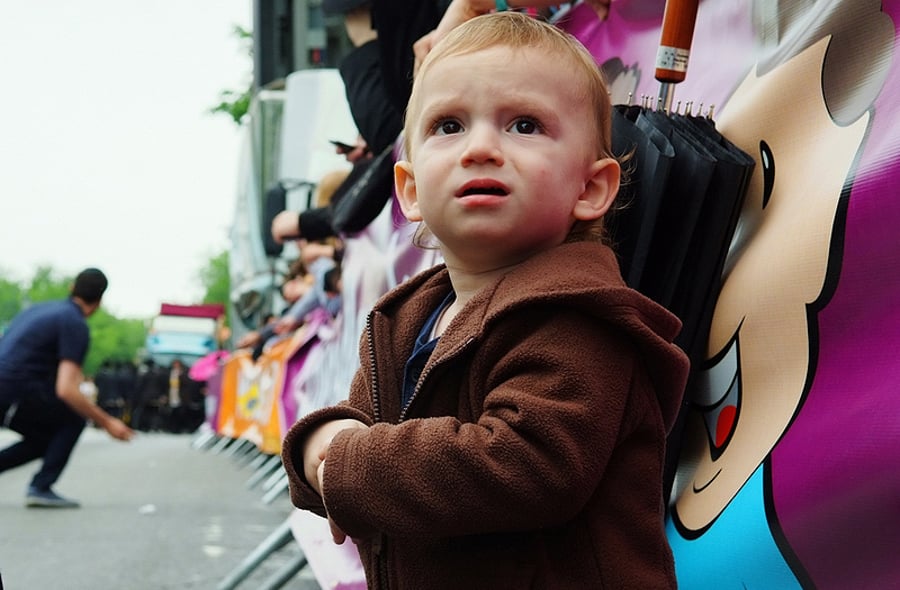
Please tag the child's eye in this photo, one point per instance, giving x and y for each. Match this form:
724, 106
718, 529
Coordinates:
526, 126
446, 127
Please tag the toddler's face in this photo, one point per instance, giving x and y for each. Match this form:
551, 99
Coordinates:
504, 152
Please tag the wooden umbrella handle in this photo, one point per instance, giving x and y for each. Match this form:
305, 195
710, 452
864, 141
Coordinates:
675, 40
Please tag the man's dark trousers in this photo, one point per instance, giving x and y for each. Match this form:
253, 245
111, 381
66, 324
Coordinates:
50, 429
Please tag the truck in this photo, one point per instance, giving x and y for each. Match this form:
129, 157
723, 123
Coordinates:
183, 332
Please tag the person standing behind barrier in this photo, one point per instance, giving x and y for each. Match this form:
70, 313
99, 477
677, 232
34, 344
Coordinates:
506, 428
149, 400
41, 355
174, 402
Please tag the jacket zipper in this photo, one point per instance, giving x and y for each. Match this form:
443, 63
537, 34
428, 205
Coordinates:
379, 541
380, 562
376, 398
428, 371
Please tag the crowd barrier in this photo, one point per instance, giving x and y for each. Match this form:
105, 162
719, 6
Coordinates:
256, 401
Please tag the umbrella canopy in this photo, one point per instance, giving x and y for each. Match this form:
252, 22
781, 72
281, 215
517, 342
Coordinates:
206, 366
680, 208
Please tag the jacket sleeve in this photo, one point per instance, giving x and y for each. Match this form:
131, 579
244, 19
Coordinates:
315, 224
400, 23
303, 496
553, 387
375, 116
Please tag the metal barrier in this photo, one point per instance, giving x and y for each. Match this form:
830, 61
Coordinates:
275, 541
268, 471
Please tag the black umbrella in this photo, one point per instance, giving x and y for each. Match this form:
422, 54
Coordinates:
700, 279
681, 204
685, 189
634, 224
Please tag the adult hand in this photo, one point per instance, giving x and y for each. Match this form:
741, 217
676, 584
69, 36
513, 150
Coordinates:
312, 251
118, 429
359, 151
286, 226
456, 14
249, 339
459, 11
286, 324
422, 47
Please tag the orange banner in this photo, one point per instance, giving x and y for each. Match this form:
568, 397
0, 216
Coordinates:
250, 404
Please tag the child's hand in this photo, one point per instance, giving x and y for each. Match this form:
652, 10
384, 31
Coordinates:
316, 449
337, 535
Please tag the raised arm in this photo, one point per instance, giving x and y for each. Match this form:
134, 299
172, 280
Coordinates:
68, 382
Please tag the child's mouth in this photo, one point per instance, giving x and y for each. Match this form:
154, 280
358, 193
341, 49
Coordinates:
483, 187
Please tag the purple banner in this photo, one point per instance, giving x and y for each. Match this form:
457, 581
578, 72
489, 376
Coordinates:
789, 469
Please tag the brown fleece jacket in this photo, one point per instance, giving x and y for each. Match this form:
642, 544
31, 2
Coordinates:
531, 453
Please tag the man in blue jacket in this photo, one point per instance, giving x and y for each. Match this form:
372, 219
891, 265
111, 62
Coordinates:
41, 355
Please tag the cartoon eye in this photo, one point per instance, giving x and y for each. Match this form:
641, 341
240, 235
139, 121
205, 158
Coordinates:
768, 169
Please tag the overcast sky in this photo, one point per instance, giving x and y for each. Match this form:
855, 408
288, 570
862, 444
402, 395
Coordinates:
108, 156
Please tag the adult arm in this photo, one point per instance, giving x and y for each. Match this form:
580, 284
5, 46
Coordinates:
68, 382
312, 224
378, 121
313, 298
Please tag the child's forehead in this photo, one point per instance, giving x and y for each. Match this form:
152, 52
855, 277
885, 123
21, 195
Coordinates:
494, 61
526, 68
501, 47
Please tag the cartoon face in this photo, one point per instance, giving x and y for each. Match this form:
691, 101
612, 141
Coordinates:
761, 338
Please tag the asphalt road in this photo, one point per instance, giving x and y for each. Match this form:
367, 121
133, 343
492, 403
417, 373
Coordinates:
157, 513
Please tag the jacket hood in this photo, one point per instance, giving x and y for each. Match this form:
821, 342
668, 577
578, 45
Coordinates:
582, 275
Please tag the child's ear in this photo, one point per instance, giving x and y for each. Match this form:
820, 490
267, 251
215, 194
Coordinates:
599, 191
405, 187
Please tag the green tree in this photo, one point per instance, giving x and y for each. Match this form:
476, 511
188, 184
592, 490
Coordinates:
46, 285
215, 279
236, 103
113, 339
10, 300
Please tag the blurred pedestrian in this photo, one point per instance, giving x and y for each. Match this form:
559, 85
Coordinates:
41, 359
175, 403
149, 396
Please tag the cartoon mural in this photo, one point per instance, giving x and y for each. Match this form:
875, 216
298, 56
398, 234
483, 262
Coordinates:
789, 473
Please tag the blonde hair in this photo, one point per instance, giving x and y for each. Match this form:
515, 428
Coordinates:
519, 31
328, 185
325, 190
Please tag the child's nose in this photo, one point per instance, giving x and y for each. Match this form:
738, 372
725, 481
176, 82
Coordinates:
483, 146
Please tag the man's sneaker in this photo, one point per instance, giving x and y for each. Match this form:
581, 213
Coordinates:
48, 499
